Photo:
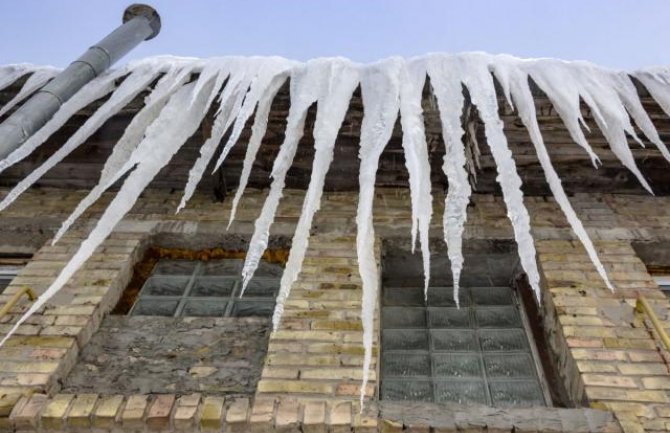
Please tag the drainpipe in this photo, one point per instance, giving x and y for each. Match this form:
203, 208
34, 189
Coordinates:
140, 22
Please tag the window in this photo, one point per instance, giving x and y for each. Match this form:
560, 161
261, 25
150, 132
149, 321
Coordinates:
478, 354
663, 282
207, 288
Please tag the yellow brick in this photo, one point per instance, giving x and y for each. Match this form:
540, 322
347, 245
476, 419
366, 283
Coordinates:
608, 380
53, 415
212, 413
107, 411
81, 411
295, 386
643, 369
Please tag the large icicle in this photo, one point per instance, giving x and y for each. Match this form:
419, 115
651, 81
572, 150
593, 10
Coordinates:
38, 79
446, 74
306, 83
257, 133
337, 80
266, 70
598, 92
659, 88
248, 80
137, 81
380, 88
176, 123
412, 81
92, 91
173, 79
479, 82
514, 81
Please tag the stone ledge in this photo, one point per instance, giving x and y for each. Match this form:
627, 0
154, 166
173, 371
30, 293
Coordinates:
194, 412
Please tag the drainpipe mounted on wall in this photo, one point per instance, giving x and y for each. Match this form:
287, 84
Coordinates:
140, 22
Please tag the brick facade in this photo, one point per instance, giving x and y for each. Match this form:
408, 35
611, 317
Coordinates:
609, 358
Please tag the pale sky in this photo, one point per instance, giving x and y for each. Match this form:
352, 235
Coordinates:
615, 33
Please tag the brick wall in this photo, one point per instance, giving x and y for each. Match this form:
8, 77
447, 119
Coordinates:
608, 356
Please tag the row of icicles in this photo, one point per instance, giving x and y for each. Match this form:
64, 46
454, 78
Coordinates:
242, 87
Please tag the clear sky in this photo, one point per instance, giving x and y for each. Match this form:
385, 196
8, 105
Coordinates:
615, 33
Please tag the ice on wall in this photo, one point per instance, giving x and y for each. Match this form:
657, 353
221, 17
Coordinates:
380, 89
335, 81
175, 107
412, 81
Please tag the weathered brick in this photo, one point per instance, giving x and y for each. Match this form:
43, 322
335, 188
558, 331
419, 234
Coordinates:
108, 410
212, 413
53, 415
82, 410
158, 416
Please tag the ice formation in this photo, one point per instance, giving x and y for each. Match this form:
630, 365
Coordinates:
182, 91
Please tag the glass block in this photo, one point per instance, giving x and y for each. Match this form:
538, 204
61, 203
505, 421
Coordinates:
491, 295
416, 390
453, 340
448, 317
175, 267
516, 393
403, 317
269, 270
262, 288
496, 340
253, 308
209, 286
510, 365
403, 296
155, 307
462, 392
457, 365
405, 339
223, 267
405, 364
204, 308
444, 297
497, 317
165, 286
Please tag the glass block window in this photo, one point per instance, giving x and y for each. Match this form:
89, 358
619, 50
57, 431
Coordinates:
195, 288
7, 274
663, 282
437, 352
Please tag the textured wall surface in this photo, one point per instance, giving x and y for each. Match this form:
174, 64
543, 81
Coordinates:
609, 357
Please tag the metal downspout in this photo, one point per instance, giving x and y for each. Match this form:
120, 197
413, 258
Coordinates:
140, 22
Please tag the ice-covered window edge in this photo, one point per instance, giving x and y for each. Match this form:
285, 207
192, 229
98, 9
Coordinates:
611, 96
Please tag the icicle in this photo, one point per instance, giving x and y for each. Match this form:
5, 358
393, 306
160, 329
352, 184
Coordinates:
38, 79
305, 90
515, 82
658, 91
337, 81
238, 101
94, 90
10, 73
446, 74
132, 136
597, 90
563, 93
474, 72
412, 79
137, 81
657, 83
267, 71
380, 88
230, 101
257, 133
163, 139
